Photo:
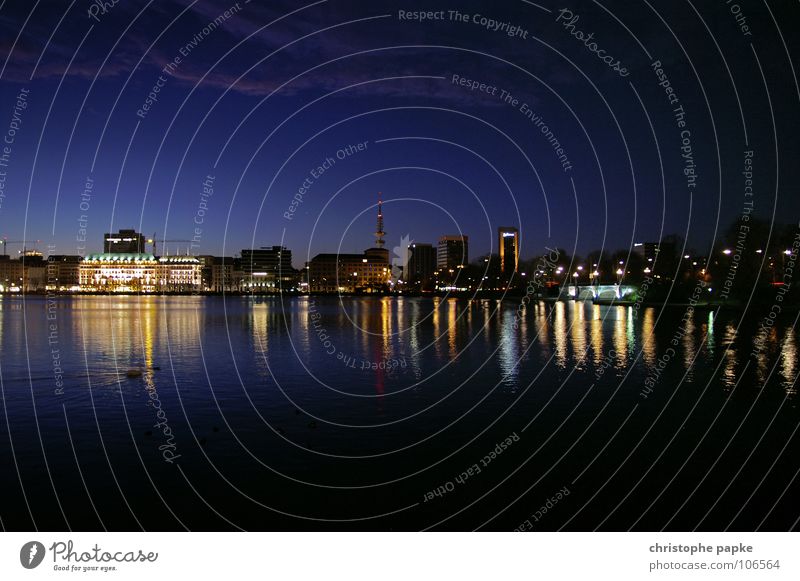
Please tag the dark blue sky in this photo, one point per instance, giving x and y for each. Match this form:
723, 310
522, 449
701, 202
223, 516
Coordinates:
258, 106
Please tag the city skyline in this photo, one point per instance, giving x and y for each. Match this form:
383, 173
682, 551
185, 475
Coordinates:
399, 266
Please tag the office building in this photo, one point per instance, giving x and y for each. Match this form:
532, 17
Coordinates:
268, 268
222, 273
452, 253
508, 243
421, 264
124, 242
63, 272
365, 272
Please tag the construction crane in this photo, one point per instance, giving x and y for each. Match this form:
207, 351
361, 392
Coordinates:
6, 241
154, 240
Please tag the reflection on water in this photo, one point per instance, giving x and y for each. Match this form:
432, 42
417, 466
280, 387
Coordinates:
409, 340
262, 387
648, 334
560, 334
789, 360
432, 335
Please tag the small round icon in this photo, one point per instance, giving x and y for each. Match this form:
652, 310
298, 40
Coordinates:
31, 554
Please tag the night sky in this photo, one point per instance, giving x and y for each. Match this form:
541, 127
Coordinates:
256, 103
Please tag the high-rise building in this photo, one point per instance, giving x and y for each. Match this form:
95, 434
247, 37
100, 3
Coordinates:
268, 268
124, 242
453, 252
421, 264
509, 249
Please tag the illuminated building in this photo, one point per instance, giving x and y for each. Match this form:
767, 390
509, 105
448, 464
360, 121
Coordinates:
348, 272
140, 272
453, 252
63, 272
179, 274
268, 268
368, 272
222, 273
509, 249
124, 242
122, 272
28, 274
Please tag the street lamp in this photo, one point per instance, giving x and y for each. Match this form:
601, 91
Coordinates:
619, 276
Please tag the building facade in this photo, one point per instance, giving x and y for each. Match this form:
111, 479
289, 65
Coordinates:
26, 274
179, 274
508, 243
118, 272
63, 272
421, 265
268, 269
368, 272
140, 272
222, 274
124, 242
452, 253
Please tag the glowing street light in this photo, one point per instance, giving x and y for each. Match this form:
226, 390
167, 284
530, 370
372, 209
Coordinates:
726, 251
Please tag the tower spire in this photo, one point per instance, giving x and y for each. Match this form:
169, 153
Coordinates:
379, 233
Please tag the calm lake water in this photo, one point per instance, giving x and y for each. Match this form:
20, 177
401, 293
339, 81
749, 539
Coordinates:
165, 413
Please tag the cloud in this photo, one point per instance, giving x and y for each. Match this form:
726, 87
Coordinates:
306, 38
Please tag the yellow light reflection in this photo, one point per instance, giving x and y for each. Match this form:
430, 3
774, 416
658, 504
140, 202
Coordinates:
560, 334
649, 344
789, 361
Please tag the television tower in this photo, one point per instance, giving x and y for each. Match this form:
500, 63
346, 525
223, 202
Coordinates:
379, 233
